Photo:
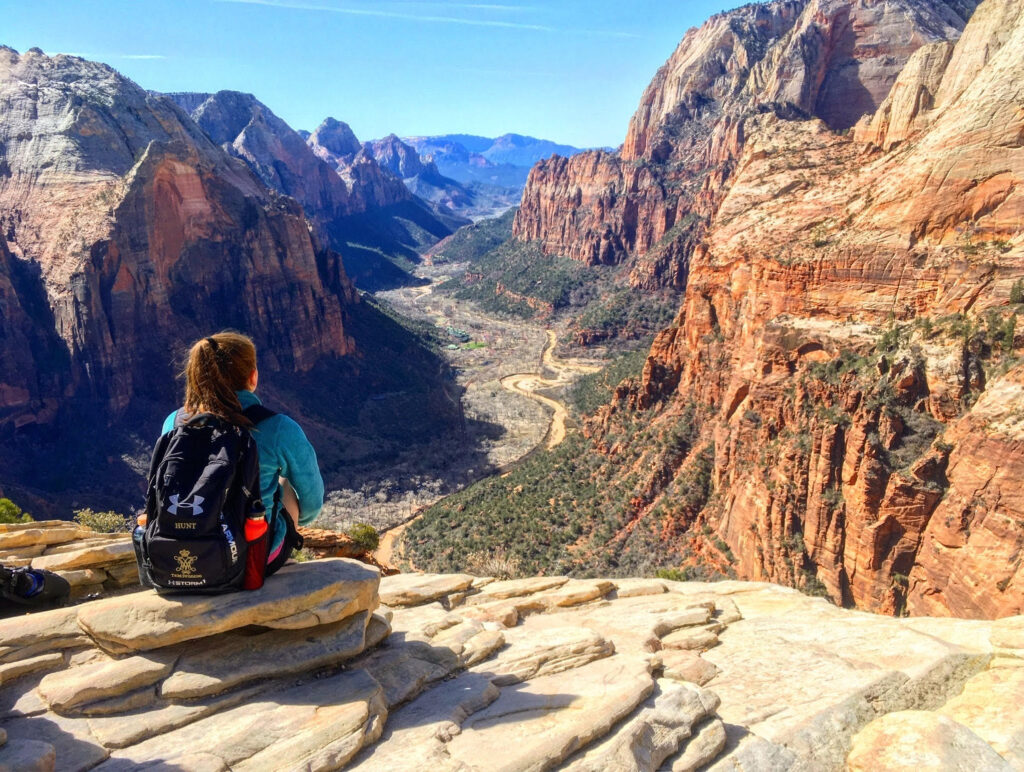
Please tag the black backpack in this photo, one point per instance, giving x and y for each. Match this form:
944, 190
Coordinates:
204, 480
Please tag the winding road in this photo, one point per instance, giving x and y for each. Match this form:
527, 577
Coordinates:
530, 385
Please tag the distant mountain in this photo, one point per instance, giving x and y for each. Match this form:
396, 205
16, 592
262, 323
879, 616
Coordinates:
504, 161
423, 178
357, 208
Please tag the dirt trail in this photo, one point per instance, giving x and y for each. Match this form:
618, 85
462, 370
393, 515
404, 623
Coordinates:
529, 385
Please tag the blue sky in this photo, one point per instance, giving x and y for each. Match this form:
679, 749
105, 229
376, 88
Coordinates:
567, 70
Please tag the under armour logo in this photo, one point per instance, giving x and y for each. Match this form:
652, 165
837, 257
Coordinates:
194, 505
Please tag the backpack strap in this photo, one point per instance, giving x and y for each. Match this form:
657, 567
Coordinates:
257, 414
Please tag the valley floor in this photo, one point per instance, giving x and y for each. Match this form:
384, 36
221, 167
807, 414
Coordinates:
512, 381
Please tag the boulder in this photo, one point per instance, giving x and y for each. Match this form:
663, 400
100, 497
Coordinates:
147, 620
917, 739
414, 589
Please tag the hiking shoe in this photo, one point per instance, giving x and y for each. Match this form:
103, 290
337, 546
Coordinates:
32, 589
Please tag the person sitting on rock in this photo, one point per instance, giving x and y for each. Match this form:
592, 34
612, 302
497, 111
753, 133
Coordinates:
221, 378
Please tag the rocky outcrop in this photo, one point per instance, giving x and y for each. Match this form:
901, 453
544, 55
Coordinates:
846, 351
650, 203
116, 208
92, 563
371, 185
247, 129
577, 675
397, 157
334, 139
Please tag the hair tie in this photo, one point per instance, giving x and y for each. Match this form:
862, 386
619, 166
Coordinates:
213, 343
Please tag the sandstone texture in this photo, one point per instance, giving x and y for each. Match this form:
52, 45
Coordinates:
120, 216
831, 59
836, 188
582, 684
92, 563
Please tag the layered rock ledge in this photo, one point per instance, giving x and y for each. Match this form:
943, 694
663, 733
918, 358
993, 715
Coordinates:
457, 672
92, 562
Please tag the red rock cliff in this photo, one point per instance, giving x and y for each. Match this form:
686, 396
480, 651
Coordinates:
650, 203
131, 232
849, 347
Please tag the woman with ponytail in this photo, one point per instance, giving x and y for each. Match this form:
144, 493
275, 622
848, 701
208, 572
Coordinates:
221, 378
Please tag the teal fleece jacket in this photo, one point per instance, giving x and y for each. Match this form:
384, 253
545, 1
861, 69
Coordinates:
285, 451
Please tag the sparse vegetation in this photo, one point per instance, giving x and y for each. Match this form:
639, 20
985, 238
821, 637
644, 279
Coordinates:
474, 241
595, 389
509, 277
12, 513
365, 536
497, 563
1017, 292
103, 522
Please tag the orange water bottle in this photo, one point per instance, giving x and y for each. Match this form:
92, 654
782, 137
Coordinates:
256, 558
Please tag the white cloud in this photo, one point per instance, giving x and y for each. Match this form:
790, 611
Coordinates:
300, 6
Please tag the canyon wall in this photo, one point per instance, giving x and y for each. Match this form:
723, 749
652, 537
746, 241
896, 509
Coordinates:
128, 232
836, 187
648, 205
849, 342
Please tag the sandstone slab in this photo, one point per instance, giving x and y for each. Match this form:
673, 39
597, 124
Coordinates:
234, 659
514, 588
147, 620
27, 756
921, 740
101, 554
29, 537
1008, 634
631, 588
545, 652
811, 679
992, 706
707, 741
317, 725
21, 667
116, 731
681, 665
656, 732
536, 725
89, 683
56, 628
690, 640
414, 589
415, 735
75, 746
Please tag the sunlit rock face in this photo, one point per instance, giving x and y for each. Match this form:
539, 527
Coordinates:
333, 667
830, 59
846, 348
130, 232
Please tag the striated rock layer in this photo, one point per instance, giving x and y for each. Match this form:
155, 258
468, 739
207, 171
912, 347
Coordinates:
130, 232
456, 672
649, 204
837, 186
847, 350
